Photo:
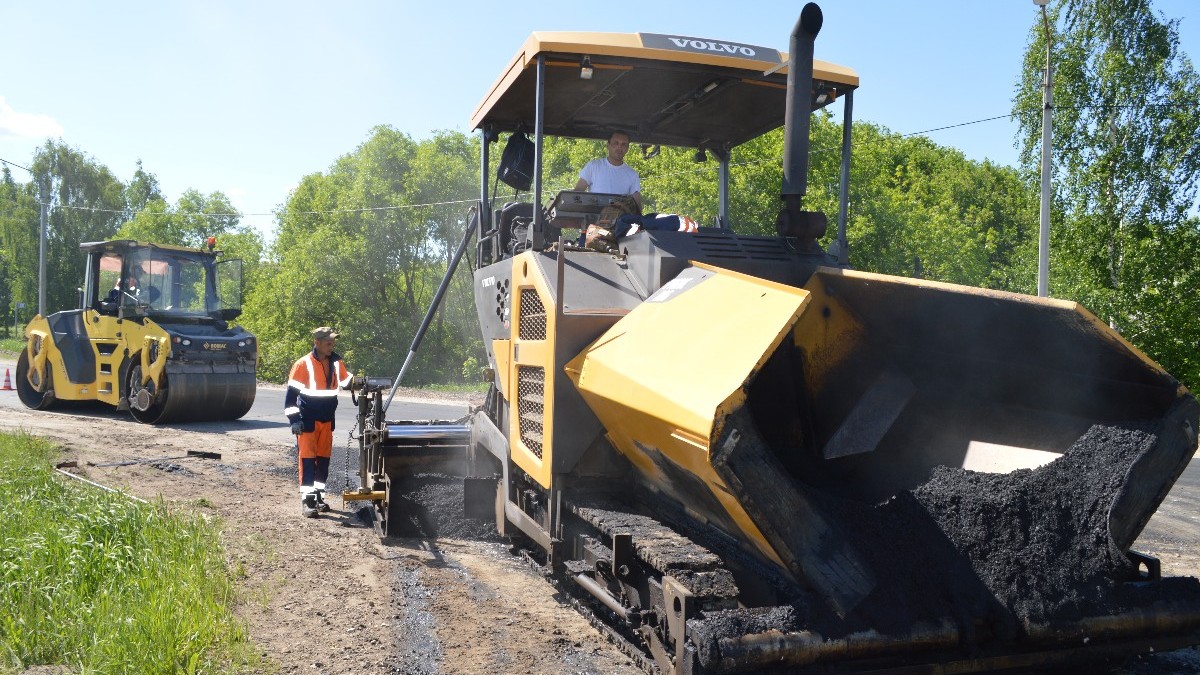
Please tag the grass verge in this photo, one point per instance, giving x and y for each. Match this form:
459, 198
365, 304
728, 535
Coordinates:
12, 346
102, 584
462, 389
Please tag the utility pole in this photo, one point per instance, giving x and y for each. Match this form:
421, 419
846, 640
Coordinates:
45, 198
1047, 161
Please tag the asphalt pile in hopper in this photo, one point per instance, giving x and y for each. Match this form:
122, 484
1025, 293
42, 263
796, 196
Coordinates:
1039, 539
1029, 546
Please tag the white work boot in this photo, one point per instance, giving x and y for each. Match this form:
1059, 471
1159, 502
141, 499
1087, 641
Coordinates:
308, 505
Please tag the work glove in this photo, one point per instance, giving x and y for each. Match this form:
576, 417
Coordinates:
598, 238
297, 428
617, 208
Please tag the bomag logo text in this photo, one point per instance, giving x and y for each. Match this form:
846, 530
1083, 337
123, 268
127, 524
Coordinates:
215, 345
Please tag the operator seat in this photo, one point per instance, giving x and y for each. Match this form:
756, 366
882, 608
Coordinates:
518, 214
106, 306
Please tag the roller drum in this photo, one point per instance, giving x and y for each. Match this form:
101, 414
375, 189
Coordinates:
200, 397
31, 397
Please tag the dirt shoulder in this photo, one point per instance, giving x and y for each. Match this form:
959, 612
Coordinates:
326, 595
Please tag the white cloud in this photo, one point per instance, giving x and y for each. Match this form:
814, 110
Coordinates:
16, 124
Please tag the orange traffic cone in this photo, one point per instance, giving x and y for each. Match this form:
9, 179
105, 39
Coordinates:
7, 381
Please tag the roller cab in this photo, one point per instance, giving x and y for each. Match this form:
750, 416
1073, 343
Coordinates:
152, 335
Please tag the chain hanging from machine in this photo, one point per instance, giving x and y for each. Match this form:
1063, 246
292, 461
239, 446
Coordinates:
349, 440
346, 456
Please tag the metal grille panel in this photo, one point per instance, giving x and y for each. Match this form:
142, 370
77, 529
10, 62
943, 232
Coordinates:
531, 324
721, 245
531, 406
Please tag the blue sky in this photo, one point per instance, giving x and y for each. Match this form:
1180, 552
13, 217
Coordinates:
248, 97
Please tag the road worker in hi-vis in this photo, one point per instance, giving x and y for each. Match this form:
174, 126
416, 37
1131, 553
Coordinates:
310, 405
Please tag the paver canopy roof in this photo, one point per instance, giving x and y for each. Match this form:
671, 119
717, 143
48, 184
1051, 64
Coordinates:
665, 89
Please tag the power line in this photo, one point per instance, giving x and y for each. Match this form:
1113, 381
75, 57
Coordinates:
131, 214
859, 142
650, 179
374, 208
16, 165
955, 126
1104, 106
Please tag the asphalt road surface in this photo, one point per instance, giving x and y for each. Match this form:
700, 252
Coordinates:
265, 422
265, 418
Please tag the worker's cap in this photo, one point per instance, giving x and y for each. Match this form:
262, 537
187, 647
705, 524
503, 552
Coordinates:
324, 333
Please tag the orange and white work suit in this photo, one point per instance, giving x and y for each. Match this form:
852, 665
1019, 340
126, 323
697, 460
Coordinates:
310, 404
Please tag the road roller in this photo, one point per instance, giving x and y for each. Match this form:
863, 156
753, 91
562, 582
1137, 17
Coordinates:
152, 334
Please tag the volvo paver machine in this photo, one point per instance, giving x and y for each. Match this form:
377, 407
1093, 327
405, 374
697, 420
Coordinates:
743, 456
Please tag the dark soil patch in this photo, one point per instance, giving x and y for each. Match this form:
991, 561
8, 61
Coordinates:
430, 506
171, 467
418, 650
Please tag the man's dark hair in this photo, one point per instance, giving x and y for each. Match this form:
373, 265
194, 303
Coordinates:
620, 131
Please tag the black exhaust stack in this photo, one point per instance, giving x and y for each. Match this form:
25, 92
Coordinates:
793, 222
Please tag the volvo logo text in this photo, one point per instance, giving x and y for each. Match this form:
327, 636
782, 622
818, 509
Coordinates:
708, 45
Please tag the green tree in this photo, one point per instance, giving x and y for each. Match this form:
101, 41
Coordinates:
364, 245
363, 248
18, 249
194, 218
910, 200
1126, 124
142, 189
920, 207
86, 203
